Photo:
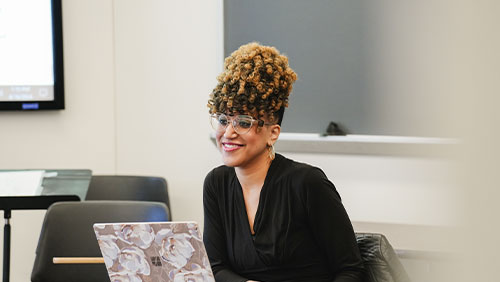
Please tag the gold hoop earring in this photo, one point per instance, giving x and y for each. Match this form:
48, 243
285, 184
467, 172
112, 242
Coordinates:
272, 152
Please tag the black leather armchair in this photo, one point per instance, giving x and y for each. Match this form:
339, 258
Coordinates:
381, 262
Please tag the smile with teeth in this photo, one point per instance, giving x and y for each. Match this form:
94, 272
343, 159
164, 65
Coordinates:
230, 146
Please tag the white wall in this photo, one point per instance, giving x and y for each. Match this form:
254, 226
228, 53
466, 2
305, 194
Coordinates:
82, 136
138, 74
166, 64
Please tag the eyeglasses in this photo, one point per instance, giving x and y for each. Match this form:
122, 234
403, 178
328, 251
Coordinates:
241, 123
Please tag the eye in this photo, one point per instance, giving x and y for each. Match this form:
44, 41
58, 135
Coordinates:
223, 120
245, 123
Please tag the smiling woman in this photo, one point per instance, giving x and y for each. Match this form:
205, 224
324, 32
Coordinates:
269, 218
236, 152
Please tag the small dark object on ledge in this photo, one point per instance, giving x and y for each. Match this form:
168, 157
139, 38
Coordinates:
334, 129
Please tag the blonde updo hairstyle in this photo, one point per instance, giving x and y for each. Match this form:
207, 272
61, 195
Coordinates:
256, 81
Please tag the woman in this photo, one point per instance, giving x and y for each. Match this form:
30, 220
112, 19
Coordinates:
268, 218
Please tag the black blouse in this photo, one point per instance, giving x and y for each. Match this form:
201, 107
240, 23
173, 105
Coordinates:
302, 231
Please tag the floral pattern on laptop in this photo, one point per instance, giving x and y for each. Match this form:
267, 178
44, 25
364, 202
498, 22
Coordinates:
138, 252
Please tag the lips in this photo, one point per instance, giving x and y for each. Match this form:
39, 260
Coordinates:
228, 147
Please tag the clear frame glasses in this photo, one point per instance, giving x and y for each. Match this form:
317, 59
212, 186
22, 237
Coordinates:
241, 123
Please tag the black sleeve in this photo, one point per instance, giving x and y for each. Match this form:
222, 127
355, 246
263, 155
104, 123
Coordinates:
332, 228
213, 235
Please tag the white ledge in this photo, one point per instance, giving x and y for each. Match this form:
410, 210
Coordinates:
364, 138
364, 144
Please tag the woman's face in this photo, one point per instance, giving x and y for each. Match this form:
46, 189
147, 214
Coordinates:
250, 148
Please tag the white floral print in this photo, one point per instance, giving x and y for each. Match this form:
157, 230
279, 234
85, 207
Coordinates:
138, 235
154, 252
175, 248
132, 259
109, 249
198, 274
125, 277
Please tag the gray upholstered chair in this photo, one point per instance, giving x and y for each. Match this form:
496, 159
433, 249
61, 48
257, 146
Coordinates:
381, 262
129, 188
67, 232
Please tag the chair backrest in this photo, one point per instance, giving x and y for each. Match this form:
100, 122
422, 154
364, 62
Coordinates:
67, 232
128, 188
381, 262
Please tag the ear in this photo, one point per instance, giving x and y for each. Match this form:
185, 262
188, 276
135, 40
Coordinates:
275, 131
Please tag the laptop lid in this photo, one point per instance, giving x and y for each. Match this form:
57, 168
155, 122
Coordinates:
153, 251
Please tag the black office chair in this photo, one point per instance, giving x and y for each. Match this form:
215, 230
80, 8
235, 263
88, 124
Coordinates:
381, 262
129, 188
67, 232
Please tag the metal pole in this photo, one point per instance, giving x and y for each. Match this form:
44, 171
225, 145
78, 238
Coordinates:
6, 246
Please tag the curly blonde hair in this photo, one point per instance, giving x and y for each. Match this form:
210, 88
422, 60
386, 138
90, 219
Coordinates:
256, 81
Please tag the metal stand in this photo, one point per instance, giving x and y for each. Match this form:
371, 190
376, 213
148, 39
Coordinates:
64, 185
6, 246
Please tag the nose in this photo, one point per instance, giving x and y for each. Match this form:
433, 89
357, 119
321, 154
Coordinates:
229, 132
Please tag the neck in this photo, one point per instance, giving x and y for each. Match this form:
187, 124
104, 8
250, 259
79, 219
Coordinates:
252, 176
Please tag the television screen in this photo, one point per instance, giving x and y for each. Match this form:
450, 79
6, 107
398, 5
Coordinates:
31, 55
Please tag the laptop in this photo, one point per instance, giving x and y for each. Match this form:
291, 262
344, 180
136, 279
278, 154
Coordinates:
153, 251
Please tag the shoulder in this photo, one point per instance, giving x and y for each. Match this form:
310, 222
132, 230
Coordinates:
298, 171
219, 171
304, 178
218, 175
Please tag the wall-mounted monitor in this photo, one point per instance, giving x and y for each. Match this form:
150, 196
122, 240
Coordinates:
31, 55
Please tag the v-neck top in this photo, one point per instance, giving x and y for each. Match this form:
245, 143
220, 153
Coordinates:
302, 231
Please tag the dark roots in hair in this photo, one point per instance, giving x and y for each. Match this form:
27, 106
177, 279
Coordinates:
256, 80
